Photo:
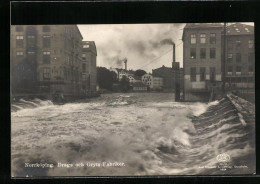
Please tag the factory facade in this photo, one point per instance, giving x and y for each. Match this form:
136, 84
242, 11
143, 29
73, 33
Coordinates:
46, 60
206, 63
89, 66
201, 59
240, 57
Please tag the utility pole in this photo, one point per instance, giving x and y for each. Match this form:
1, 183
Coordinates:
224, 60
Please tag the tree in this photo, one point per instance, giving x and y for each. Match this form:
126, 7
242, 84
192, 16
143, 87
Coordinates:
139, 73
124, 84
105, 78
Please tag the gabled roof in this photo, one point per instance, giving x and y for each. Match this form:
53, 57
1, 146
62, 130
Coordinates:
240, 29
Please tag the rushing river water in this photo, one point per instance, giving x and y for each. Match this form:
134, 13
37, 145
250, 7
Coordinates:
129, 134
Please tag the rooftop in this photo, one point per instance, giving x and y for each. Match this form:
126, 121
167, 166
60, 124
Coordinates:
203, 25
240, 29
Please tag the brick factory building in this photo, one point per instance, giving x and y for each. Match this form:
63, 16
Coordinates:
240, 56
203, 59
89, 70
202, 47
46, 59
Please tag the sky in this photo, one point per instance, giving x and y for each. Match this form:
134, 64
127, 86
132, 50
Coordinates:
146, 46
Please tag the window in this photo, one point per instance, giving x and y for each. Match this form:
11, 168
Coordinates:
31, 41
229, 70
238, 44
46, 41
212, 38
212, 74
19, 54
250, 70
192, 74
46, 73
83, 57
230, 57
238, 57
251, 57
19, 28
84, 77
238, 70
83, 67
203, 38
193, 53
85, 46
202, 73
19, 41
212, 53
31, 56
46, 57
46, 28
250, 44
193, 38
202, 53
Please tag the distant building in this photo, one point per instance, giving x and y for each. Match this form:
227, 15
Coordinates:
202, 47
153, 82
46, 59
89, 63
139, 86
134, 79
123, 72
240, 56
168, 76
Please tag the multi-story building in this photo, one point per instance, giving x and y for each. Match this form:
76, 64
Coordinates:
168, 75
240, 56
46, 59
134, 79
202, 48
154, 83
89, 63
123, 72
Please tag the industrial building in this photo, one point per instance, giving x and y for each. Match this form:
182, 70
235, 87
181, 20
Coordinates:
213, 55
240, 56
89, 64
202, 47
46, 60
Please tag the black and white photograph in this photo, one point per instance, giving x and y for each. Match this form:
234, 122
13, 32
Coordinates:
132, 99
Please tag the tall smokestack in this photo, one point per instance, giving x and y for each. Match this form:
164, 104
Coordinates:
173, 52
175, 65
125, 64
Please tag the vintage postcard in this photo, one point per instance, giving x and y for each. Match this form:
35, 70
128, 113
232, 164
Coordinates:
132, 99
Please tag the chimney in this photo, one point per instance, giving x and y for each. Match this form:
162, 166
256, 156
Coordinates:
125, 64
175, 65
173, 52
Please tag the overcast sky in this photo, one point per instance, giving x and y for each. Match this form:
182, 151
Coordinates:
146, 46
141, 44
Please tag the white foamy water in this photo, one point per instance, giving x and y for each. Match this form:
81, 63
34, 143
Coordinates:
148, 132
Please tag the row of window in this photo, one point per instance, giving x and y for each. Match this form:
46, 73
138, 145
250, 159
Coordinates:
203, 40
46, 41
202, 70
202, 74
239, 69
44, 28
67, 72
237, 44
251, 57
212, 53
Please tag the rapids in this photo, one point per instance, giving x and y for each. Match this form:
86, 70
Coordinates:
148, 132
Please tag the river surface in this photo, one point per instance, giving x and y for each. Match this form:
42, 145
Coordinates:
129, 134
